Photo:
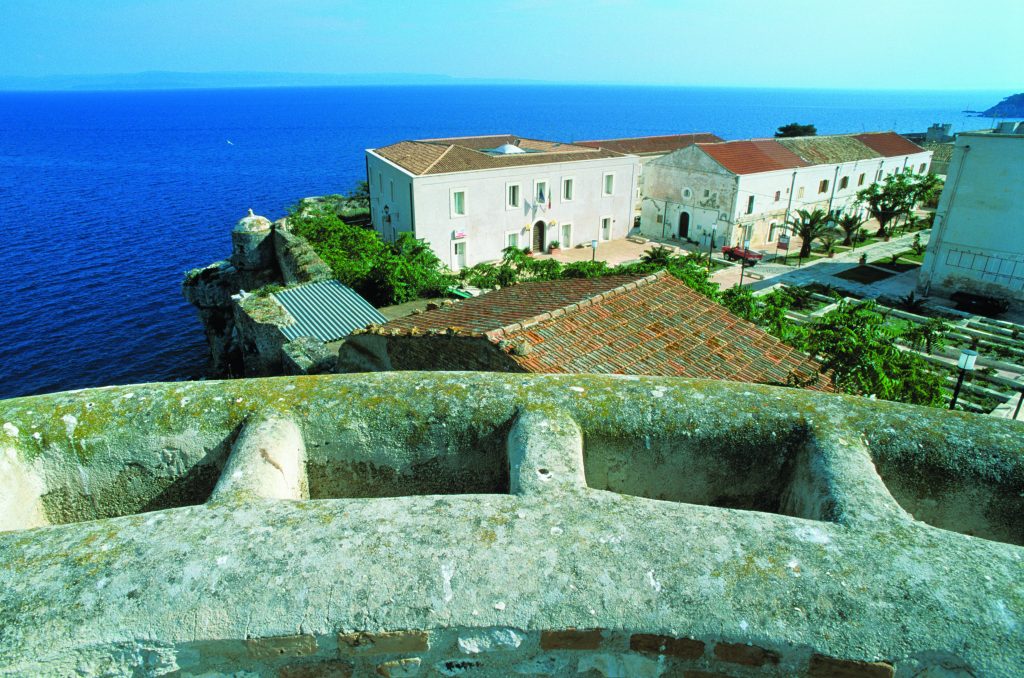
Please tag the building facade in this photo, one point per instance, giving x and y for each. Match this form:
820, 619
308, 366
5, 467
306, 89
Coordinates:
977, 243
648, 149
471, 197
740, 192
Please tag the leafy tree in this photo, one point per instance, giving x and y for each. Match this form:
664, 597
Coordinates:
795, 129
896, 196
810, 226
856, 345
849, 225
928, 336
586, 269
360, 195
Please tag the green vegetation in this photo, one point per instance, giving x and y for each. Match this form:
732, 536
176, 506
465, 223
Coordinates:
384, 273
855, 343
268, 289
810, 226
896, 196
795, 129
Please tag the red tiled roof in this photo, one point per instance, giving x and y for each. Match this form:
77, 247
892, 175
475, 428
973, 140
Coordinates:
621, 325
753, 156
509, 305
651, 145
889, 144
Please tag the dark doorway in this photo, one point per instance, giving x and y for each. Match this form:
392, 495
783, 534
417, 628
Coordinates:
684, 225
538, 236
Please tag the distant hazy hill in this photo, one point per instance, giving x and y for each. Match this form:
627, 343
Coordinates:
1010, 107
173, 80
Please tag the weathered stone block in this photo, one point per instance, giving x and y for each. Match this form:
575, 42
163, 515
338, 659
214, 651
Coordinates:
748, 655
830, 667
383, 642
684, 648
281, 646
571, 639
399, 668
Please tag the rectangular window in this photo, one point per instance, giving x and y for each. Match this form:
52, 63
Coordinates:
878, 175
541, 192
778, 194
512, 239
513, 196
459, 203
391, 187
567, 189
609, 184
750, 205
844, 182
800, 192
823, 186
707, 193
921, 171
606, 228
566, 241
860, 180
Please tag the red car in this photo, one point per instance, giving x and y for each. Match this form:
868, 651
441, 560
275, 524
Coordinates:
749, 257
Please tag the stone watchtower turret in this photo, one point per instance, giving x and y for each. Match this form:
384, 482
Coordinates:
252, 247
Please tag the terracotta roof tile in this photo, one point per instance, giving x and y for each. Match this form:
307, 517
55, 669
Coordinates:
652, 145
652, 325
753, 156
889, 144
828, 149
461, 154
514, 304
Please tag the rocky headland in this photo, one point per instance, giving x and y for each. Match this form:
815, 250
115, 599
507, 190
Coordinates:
1010, 107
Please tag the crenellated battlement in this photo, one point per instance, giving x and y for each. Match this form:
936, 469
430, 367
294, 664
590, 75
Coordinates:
501, 524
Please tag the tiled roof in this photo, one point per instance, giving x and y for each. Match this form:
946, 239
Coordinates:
652, 145
462, 154
753, 156
828, 149
509, 305
889, 144
621, 325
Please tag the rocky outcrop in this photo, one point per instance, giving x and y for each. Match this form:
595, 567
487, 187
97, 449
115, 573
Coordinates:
1010, 107
242, 337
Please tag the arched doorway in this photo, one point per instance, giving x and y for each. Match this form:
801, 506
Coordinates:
538, 236
684, 225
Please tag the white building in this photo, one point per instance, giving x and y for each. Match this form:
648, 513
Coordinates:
746, 190
977, 239
648, 149
470, 197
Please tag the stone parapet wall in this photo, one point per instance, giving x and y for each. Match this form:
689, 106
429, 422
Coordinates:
443, 524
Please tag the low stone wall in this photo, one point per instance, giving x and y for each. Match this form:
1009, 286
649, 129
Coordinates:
505, 524
296, 259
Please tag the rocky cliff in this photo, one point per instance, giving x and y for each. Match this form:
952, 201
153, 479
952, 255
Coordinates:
262, 253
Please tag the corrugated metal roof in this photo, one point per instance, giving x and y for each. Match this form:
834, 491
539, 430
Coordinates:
326, 310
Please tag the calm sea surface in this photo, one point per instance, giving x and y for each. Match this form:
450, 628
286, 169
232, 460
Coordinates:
106, 199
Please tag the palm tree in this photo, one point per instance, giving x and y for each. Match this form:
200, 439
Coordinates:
849, 224
810, 226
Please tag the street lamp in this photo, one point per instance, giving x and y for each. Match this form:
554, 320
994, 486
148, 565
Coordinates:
593, 246
711, 244
966, 364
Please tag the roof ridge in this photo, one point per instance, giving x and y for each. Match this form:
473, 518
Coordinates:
438, 159
495, 335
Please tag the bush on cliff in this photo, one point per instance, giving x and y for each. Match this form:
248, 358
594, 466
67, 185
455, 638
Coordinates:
384, 273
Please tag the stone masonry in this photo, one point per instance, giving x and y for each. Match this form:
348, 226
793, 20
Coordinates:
449, 524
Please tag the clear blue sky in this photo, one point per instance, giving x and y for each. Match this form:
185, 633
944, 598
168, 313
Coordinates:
936, 44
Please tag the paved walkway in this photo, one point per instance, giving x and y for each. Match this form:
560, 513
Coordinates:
823, 271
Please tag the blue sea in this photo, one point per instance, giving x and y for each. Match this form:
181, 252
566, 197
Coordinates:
107, 198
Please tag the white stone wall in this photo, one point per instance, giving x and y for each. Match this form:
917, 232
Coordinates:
489, 220
676, 183
665, 197
977, 241
389, 187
